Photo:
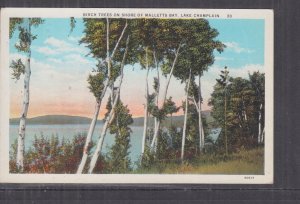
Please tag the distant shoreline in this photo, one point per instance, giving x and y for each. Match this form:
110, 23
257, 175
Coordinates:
78, 120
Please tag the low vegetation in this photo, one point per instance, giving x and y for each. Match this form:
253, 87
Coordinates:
242, 162
49, 155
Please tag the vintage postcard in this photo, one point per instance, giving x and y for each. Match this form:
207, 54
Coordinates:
136, 96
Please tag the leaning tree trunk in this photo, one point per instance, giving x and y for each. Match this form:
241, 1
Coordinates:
110, 115
165, 96
99, 100
91, 131
22, 126
146, 107
185, 117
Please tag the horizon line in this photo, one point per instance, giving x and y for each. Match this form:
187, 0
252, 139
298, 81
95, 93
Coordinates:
86, 116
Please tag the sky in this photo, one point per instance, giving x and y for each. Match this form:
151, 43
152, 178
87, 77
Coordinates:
60, 67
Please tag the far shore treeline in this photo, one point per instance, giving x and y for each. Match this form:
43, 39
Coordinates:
77, 120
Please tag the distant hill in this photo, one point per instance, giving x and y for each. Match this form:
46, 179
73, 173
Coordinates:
54, 119
66, 119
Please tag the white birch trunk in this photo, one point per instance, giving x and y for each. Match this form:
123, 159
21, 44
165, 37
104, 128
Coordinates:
262, 137
185, 117
259, 125
91, 131
99, 100
24, 111
108, 57
158, 88
165, 95
146, 106
155, 135
88, 139
110, 116
200, 124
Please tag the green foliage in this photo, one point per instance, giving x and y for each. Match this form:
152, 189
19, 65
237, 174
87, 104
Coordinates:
24, 40
118, 156
242, 162
96, 84
51, 155
35, 22
168, 108
95, 39
18, 68
25, 34
13, 22
72, 24
198, 44
242, 109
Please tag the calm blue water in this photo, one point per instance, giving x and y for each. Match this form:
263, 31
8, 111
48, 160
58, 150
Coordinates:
68, 132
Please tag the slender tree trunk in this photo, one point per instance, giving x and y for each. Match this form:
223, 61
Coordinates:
185, 117
200, 124
88, 139
165, 95
91, 131
158, 88
146, 106
26, 96
109, 117
259, 125
108, 56
262, 136
99, 100
155, 135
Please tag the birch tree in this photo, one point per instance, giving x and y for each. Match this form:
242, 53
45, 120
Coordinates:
257, 81
25, 38
115, 94
146, 112
100, 36
169, 41
193, 41
185, 114
146, 33
196, 58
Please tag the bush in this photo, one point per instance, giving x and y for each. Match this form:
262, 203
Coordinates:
49, 155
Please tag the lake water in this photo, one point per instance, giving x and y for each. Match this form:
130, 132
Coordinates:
68, 132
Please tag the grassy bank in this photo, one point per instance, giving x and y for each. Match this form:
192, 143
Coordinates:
243, 162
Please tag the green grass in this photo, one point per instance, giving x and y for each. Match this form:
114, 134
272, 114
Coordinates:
243, 162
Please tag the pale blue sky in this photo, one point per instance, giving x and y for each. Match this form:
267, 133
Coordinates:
244, 39
60, 66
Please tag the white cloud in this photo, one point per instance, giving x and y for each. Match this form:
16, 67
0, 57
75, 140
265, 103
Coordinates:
53, 83
235, 47
46, 50
76, 58
54, 46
